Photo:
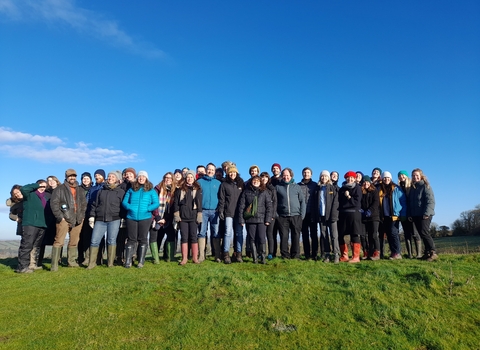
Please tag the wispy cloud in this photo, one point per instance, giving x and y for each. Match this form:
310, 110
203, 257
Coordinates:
36, 147
82, 20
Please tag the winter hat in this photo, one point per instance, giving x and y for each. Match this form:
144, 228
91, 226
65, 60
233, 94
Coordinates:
119, 175
100, 172
114, 173
130, 170
325, 172
350, 173
231, 169
177, 171
404, 172
142, 172
276, 164
359, 172
386, 174
379, 170
367, 178
192, 173
70, 172
86, 174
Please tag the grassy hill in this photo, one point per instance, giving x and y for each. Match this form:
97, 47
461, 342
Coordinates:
406, 304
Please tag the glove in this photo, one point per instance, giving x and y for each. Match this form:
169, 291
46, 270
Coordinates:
199, 218
176, 217
361, 211
221, 215
368, 213
91, 222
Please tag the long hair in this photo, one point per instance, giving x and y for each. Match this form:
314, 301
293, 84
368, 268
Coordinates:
12, 197
408, 184
365, 190
195, 185
147, 187
422, 177
265, 174
54, 178
163, 184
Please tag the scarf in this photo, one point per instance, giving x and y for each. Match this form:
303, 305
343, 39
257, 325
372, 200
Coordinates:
165, 199
42, 198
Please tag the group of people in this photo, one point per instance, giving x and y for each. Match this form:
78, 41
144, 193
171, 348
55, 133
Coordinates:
126, 214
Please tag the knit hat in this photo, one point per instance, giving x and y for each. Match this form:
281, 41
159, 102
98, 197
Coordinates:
191, 172
404, 172
359, 172
367, 178
386, 174
100, 172
70, 172
276, 164
130, 170
177, 171
142, 172
350, 173
325, 172
86, 174
114, 173
232, 169
379, 170
119, 175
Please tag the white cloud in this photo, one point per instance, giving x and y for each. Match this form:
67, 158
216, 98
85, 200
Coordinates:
8, 135
82, 20
35, 147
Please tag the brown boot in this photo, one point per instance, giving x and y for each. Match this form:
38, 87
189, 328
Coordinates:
356, 253
344, 251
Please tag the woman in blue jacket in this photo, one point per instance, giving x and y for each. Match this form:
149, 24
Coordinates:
140, 201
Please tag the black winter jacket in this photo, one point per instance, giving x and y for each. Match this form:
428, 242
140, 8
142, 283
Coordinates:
371, 201
228, 197
107, 204
272, 192
331, 203
354, 204
264, 208
308, 189
187, 205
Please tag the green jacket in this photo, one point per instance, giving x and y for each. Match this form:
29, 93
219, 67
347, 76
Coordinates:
33, 211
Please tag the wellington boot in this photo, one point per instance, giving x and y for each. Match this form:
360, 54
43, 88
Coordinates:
344, 251
72, 254
375, 255
128, 255
253, 250
142, 252
184, 254
195, 253
201, 251
55, 257
217, 250
86, 260
356, 253
408, 244
34, 254
261, 253
111, 252
154, 250
171, 250
93, 258
418, 248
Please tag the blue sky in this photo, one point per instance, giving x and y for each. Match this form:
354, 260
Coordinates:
159, 85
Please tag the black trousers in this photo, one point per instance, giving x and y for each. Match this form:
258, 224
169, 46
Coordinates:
294, 225
137, 231
310, 232
423, 228
31, 236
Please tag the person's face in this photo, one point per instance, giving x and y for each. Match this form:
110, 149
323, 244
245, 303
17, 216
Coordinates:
402, 177
256, 183
324, 179
211, 171
201, 171
387, 180
52, 183
232, 175
416, 176
367, 184
142, 179
42, 186
99, 178
286, 176
254, 172
178, 176
86, 181
350, 179
359, 177
376, 173
129, 176
184, 172
265, 179
334, 176
276, 170
190, 179
71, 179
168, 179
307, 174
111, 179
17, 194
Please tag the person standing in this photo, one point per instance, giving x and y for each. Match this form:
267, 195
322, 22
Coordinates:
86, 232
140, 201
15, 202
272, 194
68, 205
291, 209
309, 224
421, 210
129, 175
409, 232
276, 170
371, 217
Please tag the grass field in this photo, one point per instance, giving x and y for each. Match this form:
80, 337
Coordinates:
403, 304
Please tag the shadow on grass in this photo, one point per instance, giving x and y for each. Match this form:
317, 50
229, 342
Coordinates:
9, 262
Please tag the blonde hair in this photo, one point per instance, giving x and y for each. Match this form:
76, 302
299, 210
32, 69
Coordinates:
422, 177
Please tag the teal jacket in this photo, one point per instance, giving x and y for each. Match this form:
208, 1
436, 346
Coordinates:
140, 204
33, 210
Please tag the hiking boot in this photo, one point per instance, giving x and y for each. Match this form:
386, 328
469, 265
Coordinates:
226, 258
433, 256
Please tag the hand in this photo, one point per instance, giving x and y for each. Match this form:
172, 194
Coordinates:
347, 194
368, 213
91, 222
199, 218
267, 223
221, 215
176, 217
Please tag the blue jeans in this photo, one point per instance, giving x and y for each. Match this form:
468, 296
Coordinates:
99, 230
232, 229
392, 229
209, 216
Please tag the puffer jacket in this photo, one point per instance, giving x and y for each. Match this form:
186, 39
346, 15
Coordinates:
140, 204
228, 197
397, 204
331, 203
264, 206
421, 200
63, 204
290, 200
107, 204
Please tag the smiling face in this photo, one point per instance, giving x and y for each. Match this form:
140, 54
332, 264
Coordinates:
334, 176
85, 180
265, 179
142, 179
17, 194
286, 176
350, 180
254, 171
387, 180
52, 183
42, 186
256, 182
275, 171
402, 177
129, 176
111, 179
232, 175
323, 179
307, 174
211, 170
416, 176
72, 179
189, 179
178, 176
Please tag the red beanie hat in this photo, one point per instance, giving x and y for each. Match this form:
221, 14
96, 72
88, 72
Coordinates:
276, 164
350, 173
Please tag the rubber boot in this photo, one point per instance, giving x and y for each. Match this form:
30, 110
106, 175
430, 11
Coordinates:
72, 254
261, 253
381, 239
111, 252
344, 251
418, 248
154, 250
128, 255
217, 250
195, 253
34, 254
226, 258
55, 257
253, 250
201, 249
356, 253
408, 244
86, 261
142, 251
92, 263
171, 250
184, 254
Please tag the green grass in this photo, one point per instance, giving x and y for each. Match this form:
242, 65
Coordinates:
405, 304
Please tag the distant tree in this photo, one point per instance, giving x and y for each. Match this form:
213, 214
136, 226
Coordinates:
468, 223
434, 229
444, 231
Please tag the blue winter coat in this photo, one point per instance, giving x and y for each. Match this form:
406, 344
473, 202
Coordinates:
210, 187
140, 204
